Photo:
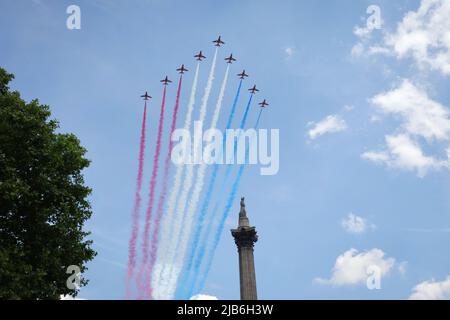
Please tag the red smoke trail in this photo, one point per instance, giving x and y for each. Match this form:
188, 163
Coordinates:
137, 206
151, 197
162, 197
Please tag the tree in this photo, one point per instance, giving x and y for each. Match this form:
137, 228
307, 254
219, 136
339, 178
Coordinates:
43, 201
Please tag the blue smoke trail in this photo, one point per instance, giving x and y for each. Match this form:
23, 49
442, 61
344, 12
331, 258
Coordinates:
259, 118
229, 203
184, 283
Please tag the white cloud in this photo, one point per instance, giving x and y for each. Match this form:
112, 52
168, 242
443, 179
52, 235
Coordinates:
351, 267
362, 32
404, 153
331, 124
355, 224
203, 297
422, 116
423, 35
432, 290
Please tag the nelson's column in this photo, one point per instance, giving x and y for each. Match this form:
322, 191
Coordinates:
245, 238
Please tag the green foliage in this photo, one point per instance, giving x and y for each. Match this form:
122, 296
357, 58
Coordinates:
43, 201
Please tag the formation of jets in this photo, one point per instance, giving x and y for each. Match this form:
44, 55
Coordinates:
199, 57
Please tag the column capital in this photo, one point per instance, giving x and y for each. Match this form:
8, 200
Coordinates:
245, 237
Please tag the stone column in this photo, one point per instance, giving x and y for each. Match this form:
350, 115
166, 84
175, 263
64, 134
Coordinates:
245, 238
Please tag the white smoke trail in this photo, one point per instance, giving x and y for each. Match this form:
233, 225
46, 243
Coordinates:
170, 285
159, 275
193, 201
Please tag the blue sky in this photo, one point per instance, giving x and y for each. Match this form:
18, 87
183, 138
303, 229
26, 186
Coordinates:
300, 55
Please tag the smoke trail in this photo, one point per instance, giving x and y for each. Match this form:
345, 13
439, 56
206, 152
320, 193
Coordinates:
167, 223
178, 220
162, 197
230, 167
259, 118
186, 276
136, 207
241, 126
224, 216
151, 198
233, 108
199, 182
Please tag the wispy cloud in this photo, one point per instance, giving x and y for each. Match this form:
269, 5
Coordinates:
356, 224
289, 52
330, 124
